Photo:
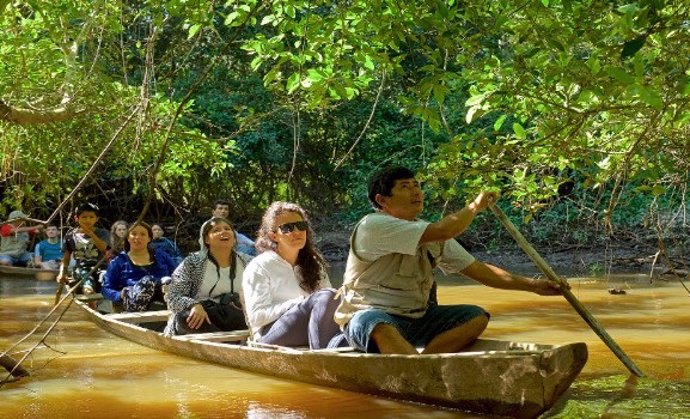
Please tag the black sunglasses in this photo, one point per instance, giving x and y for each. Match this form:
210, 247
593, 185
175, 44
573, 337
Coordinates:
290, 227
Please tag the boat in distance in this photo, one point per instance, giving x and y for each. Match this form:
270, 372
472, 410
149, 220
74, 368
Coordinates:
491, 377
25, 272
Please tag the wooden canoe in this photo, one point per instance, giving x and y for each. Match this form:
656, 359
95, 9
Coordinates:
492, 377
23, 272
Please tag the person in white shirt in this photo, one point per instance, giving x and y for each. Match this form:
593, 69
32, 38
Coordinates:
288, 296
388, 295
205, 291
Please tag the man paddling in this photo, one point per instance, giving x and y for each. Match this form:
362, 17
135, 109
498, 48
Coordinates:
389, 303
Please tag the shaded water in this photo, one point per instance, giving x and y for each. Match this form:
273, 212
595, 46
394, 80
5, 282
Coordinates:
101, 375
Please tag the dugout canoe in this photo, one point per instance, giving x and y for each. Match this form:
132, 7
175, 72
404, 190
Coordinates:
24, 272
492, 377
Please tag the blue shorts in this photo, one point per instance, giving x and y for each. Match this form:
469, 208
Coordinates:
21, 260
419, 332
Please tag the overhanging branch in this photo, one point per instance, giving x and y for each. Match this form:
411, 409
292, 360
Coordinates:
33, 116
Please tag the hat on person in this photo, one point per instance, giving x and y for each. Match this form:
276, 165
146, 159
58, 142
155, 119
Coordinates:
17, 214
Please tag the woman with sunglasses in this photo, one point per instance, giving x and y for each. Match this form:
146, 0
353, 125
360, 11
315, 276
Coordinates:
204, 294
288, 297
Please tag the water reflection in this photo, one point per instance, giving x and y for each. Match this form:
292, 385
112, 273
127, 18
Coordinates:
104, 376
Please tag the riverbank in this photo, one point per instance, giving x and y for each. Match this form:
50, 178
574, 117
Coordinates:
620, 257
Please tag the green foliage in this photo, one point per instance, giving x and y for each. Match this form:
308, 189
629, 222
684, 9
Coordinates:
303, 100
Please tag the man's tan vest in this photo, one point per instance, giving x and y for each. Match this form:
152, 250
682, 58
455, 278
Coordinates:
395, 283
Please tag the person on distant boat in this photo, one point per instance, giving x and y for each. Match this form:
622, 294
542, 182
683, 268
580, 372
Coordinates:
48, 252
14, 240
288, 295
87, 244
389, 294
135, 276
118, 236
160, 242
205, 292
244, 244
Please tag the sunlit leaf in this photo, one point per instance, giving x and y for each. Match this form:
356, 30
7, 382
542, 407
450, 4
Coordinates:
519, 131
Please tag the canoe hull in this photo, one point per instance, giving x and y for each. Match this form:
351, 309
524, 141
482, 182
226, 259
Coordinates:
23, 272
492, 379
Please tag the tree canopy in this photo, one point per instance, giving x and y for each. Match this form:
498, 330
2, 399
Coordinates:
259, 100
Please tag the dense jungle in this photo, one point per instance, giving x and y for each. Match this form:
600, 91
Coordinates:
576, 111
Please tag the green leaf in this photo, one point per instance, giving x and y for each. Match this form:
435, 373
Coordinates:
620, 74
650, 97
658, 190
256, 63
499, 122
292, 82
474, 110
193, 30
368, 63
477, 99
519, 131
440, 93
315, 75
631, 47
231, 18
267, 19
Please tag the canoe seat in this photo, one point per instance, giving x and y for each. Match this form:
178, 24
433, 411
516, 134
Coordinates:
141, 316
230, 336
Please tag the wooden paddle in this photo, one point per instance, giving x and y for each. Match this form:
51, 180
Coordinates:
577, 305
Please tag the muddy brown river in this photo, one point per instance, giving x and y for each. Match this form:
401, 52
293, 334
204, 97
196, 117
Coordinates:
85, 372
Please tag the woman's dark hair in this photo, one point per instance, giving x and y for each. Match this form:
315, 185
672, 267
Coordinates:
310, 262
149, 232
205, 230
383, 181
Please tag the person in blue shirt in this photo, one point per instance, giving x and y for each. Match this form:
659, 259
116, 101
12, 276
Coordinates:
135, 276
48, 253
160, 242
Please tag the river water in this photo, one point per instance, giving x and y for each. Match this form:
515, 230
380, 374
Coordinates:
86, 372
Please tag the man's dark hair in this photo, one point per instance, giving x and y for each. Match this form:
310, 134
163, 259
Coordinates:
220, 202
383, 181
86, 206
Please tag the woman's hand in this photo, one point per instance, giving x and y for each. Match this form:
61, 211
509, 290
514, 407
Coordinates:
197, 317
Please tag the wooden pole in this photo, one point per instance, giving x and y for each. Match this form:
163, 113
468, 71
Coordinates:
577, 305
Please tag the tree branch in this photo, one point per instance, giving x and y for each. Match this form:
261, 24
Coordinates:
32, 116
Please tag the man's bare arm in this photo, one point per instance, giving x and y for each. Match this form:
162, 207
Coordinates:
456, 223
496, 277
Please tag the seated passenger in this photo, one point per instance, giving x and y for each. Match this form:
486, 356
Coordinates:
134, 276
118, 236
288, 296
15, 239
87, 244
162, 243
48, 252
243, 244
204, 294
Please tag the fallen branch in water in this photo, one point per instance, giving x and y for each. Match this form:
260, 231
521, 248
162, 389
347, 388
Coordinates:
13, 367
17, 365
